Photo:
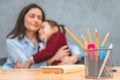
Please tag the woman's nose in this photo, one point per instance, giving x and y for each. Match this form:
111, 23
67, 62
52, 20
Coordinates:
36, 19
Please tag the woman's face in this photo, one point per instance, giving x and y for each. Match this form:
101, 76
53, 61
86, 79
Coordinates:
45, 31
33, 20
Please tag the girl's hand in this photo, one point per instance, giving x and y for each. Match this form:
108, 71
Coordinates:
63, 51
69, 60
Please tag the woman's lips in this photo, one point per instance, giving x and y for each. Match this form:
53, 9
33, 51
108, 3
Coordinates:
35, 25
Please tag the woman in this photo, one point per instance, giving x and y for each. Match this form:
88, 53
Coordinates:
22, 42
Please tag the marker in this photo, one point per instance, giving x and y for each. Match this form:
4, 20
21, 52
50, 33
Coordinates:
102, 52
91, 51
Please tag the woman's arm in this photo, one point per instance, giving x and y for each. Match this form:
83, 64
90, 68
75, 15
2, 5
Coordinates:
75, 50
17, 54
15, 51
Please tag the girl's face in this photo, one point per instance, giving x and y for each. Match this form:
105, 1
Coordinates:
46, 31
33, 20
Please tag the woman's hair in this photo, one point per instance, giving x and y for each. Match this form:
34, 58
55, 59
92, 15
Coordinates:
19, 29
52, 23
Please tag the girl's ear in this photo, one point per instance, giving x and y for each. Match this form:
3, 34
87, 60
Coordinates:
55, 29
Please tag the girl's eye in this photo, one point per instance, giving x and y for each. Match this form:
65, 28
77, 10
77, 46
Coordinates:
42, 27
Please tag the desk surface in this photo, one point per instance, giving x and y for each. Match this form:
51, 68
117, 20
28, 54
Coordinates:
35, 74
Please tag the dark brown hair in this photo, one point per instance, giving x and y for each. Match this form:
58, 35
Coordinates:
19, 29
55, 24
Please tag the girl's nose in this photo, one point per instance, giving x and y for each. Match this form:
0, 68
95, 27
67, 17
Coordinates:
40, 32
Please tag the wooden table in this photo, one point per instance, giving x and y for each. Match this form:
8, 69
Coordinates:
35, 74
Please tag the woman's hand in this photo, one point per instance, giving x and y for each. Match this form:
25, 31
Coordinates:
18, 64
28, 63
63, 51
69, 60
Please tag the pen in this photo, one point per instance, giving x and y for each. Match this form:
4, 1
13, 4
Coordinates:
105, 60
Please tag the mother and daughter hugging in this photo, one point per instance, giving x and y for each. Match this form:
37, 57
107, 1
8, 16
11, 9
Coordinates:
36, 41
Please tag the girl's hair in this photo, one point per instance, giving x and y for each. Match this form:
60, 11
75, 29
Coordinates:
19, 29
52, 23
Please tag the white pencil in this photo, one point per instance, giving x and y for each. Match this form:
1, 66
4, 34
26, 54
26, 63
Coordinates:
105, 60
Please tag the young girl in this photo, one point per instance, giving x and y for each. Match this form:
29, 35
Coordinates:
53, 37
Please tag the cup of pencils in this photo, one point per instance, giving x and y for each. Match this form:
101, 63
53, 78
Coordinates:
98, 57
98, 66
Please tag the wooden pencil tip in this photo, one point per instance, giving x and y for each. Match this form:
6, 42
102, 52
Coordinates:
87, 27
95, 29
81, 35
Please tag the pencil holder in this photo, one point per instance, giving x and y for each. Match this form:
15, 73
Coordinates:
98, 63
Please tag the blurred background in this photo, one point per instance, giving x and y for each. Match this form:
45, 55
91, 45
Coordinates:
75, 14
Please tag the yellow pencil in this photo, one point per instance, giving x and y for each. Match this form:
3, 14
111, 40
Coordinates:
96, 44
105, 39
89, 35
84, 39
96, 39
74, 37
86, 46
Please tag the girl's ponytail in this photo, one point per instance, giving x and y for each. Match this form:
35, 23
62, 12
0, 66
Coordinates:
62, 28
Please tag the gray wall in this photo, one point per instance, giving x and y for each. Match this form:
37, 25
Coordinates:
76, 14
